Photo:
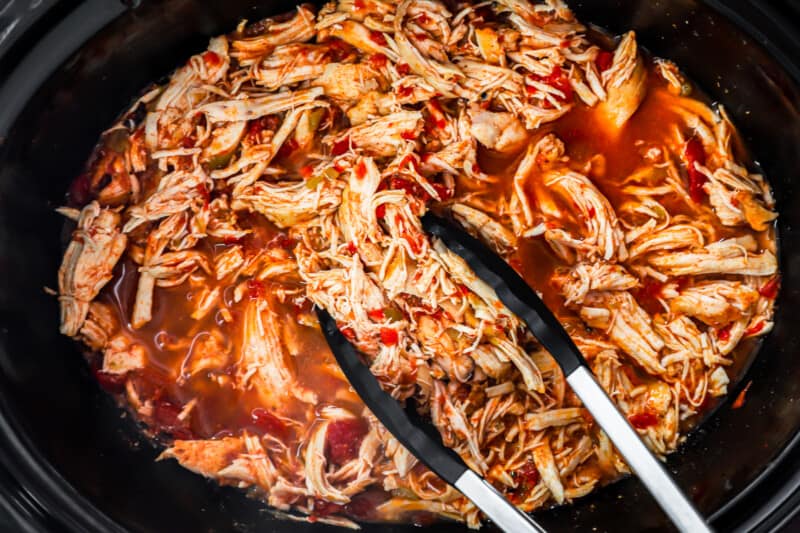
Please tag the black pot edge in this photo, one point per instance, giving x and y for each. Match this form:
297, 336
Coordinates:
46, 502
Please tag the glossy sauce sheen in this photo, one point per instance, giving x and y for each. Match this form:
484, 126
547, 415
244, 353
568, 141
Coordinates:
221, 409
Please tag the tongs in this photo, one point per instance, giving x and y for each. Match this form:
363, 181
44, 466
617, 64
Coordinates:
522, 300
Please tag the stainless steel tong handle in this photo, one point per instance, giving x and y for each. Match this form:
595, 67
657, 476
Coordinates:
494, 505
644, 464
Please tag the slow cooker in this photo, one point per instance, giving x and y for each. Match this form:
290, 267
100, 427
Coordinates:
70, 460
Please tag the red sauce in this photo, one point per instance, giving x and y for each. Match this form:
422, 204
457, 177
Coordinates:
643, 420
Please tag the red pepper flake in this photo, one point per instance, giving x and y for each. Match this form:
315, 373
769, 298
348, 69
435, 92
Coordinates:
770, 289
288, 147
409, 135
724, 333
255, 289
377, 38
376, 314
351, 247
361, 170
693, 153
211, 59
755, 329
405, 91
343, 440
643, 420
389, 336
403, 69
349, 333
306, 171
268, 423
380, 211
604, 60
740, 399
341, 146
377, 61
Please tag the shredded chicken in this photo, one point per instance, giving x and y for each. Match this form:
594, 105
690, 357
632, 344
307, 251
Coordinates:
287, 166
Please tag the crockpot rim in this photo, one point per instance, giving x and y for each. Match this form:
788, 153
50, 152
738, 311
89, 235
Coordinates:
39, 493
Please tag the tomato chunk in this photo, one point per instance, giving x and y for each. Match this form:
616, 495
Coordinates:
643, 420
343, 440
389, 336
694, 152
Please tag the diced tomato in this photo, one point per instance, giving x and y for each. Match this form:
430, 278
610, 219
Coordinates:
527, 476
110, 382
343, 440
211, 59
377, 61
557, 79
306, 171
693, 153
648, 296
409, 135
421, 36
755, 329
323, 508
165, 418
376, 314
349, 333
724, 333
255, 289
358, 4
361, 169
405, 90
80, 191
268, 423
282, 240
351, 247
403, 69
443, 192
591, 212
411, 188
188, 141
377, 37
288, 147
463, 289
770, 289
338, 50
389, 336
643, 420
380, 211
423, 18
604, 60
739, 401
340, 147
